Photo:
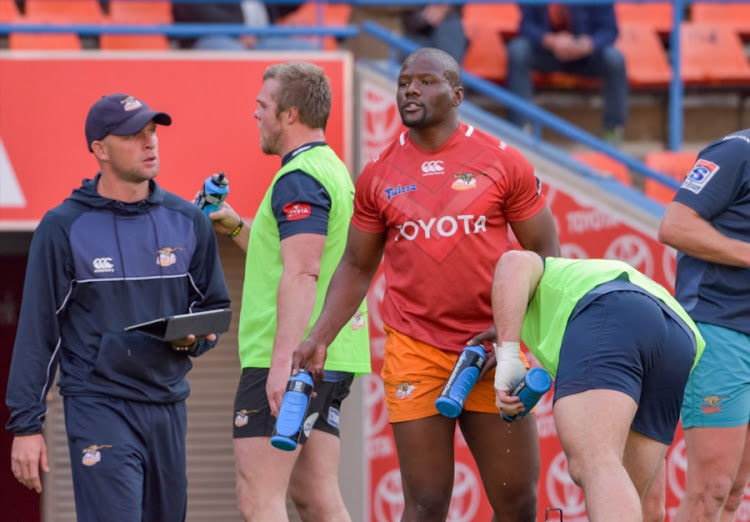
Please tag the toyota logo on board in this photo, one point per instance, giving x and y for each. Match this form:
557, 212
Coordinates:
465, 500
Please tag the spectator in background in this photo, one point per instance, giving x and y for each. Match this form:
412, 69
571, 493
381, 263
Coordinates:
577, 39
439, 26
249, 13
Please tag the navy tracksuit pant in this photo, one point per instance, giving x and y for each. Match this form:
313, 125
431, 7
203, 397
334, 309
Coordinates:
128, 459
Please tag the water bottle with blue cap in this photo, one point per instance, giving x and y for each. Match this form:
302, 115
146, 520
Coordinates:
461, 381
534, 385
212, 193
290, 422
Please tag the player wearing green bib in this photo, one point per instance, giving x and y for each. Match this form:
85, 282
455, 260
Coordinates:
620, 348
295, 243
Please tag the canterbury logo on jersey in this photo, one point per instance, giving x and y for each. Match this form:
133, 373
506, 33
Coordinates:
103, 264
445, 226
431, 168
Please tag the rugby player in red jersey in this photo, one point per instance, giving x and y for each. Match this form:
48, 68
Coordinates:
436, 206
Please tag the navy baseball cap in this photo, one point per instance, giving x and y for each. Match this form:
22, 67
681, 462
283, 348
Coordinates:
121, 115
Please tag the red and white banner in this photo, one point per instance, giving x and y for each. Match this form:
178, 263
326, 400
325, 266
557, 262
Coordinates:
587, 229
211, 98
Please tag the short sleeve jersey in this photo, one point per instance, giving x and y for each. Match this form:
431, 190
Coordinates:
718, 189
445, 216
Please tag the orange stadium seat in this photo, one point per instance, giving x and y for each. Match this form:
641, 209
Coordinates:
139, 42
503, 18
646, 60
736, 15
485, 55
64, 11
140, 11
606, 165
656, 14
712, 54
9, 11
44, 41
675, 165
314, 13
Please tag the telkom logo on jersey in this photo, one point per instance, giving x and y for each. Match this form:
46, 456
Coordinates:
431, 168
390, 192
445, 226
103, 264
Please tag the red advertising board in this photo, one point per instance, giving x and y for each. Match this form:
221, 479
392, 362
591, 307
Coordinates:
18, 503
211, 98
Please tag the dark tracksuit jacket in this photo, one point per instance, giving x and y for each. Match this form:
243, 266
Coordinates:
96, 266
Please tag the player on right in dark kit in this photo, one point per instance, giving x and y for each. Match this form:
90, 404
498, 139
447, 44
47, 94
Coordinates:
708, 223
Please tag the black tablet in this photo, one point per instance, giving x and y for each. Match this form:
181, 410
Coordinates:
180, 326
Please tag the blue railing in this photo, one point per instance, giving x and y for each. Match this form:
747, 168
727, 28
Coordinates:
182, 30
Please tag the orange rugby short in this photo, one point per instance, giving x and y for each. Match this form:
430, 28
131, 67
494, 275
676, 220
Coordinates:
414, 374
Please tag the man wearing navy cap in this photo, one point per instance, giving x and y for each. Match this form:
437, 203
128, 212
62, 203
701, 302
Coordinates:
119, 251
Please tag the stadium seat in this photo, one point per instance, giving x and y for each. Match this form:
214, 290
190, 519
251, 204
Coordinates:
9, 11
606, 165
712, 54
44, 41
646, 60
656, 14
140, 42
140, 11
485, 55
314, 13
736, 15
64, 11
503, 18
672, 164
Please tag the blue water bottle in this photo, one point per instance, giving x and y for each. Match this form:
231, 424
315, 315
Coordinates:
462, 379
535, 384
212, 193
290, 423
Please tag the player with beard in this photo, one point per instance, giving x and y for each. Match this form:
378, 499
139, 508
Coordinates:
437, 204
296, 241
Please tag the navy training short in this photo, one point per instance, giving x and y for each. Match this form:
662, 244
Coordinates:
252, 413
624, 341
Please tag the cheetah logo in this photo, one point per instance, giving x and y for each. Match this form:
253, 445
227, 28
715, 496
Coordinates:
242, 416
464, 181
405, 390
358, 321
165, 256
711, 403
92, 455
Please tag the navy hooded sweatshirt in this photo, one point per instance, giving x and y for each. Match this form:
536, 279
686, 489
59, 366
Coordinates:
97, 265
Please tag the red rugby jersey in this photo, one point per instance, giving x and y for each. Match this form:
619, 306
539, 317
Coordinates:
445, 214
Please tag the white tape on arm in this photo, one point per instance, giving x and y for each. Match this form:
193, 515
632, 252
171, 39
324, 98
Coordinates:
510, 368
